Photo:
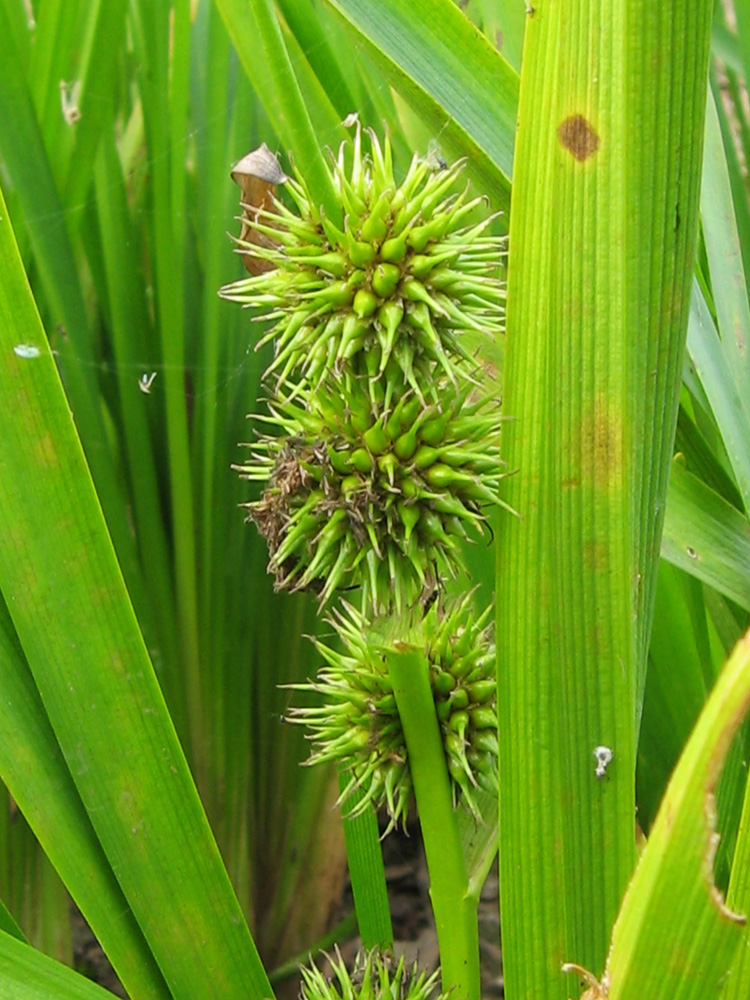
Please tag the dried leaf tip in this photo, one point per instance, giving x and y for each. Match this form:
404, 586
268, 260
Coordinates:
257, 174
259, 164
597, 990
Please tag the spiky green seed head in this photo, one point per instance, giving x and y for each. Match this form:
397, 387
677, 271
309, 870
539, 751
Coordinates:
376, 976
364, 489
409, 275
357, 722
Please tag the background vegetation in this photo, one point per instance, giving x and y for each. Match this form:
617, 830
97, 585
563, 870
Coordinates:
118, 125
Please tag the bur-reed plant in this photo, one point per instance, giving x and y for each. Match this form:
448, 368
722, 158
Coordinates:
119, 203
384, 458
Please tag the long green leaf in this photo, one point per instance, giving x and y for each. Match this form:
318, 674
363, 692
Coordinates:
66, 597
673, 698
132, 337
722, 362
309, 25
25, 159
96, 79
454, 908
33, 769
603, 224
434, 57
25, 974
162, 46
674, 936
707, 537
253, 28
367, 873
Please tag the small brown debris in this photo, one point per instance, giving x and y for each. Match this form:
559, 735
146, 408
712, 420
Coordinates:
597, 990
257, 174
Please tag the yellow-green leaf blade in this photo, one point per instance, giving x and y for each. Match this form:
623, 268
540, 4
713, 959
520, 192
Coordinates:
674, 936
602, 232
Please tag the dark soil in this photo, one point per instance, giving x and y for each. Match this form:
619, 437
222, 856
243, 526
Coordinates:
411, 913
413, 926
88, 957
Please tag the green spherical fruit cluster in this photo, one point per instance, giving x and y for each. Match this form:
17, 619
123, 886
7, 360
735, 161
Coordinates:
376, 976
385, 445
378, 495
404, 278
358, 722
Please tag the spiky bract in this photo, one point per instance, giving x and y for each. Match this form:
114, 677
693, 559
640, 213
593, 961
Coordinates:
376, 976
358, 721
374, 492
407, 275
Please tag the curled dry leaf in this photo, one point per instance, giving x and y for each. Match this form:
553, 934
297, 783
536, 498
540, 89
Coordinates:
597, 990
257, 174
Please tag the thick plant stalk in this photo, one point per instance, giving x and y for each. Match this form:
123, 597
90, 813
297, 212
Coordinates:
455, 911
602, 234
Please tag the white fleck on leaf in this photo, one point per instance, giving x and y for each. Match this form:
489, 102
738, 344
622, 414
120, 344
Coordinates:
26, 351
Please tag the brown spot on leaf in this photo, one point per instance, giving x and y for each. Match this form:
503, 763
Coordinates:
602, 446
596, 556
579, 137
739, 337
44, 451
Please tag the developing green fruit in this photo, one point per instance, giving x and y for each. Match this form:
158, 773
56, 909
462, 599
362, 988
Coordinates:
408, 264
383, 450
358, 723
376, 976
352, 496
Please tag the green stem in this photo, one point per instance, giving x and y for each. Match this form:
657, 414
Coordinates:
454, 907
366, 871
